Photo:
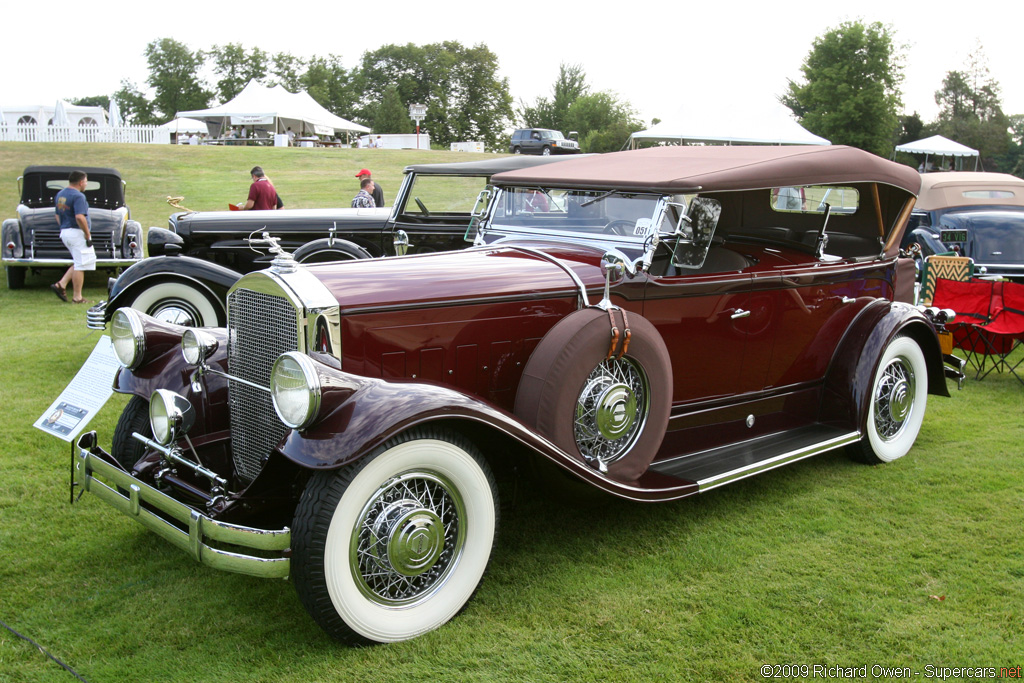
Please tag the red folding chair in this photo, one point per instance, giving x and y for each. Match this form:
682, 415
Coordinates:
1001, 335
975, 303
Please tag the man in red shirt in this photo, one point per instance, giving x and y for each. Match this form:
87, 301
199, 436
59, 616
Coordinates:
262, 195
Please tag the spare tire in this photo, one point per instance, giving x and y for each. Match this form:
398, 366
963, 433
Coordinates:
613, 410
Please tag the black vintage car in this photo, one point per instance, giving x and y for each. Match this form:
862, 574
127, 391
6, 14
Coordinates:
202, 254
32, 240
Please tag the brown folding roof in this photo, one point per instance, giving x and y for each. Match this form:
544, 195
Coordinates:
678, 170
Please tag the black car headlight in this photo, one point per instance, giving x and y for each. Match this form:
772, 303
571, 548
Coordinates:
128, 337
170, 416
295, 389
197, 346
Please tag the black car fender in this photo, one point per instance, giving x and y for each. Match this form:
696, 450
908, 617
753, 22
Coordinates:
327, 249
847, 391
212, 279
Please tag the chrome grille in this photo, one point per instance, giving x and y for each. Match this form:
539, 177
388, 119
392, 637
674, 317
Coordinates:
261, 327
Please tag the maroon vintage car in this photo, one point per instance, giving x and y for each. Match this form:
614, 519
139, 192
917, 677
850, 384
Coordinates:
656, 323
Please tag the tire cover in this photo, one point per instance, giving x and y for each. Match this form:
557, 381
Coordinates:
554, 375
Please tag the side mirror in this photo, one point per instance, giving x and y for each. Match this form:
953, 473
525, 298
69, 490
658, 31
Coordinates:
483, 202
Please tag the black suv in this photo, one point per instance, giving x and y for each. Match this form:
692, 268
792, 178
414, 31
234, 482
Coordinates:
542, 141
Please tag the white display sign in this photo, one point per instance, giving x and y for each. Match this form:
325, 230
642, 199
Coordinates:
89, 391
252, 119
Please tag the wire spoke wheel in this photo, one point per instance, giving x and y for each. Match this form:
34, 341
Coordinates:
894, 398
409, 536
611, 409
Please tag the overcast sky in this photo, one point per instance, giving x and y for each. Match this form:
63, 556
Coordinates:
655, 55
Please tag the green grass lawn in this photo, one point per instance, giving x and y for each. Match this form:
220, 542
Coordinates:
917, 563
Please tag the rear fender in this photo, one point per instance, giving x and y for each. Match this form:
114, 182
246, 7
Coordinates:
11, 232
851, 373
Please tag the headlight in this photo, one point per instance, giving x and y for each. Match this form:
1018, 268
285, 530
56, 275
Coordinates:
197, 346
170, 416
295, 388
127, 336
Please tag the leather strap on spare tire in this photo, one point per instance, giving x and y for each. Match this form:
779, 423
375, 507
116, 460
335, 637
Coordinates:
596, 405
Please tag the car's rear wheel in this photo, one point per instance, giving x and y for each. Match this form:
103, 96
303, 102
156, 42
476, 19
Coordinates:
134, 418
15, 277
517, 150
609, 412
179, 303
899, 395
395, 545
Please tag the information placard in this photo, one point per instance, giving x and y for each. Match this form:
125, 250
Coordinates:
89, 391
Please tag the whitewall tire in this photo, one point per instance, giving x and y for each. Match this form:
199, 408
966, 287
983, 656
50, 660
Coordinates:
178, 303
394, 546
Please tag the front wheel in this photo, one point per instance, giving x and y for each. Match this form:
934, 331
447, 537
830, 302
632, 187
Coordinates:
546, 151
395, 545
899, 394
179, 303
126, 449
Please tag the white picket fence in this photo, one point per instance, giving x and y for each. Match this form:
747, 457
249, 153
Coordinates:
36, 133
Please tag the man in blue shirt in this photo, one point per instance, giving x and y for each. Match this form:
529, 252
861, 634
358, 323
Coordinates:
72, 213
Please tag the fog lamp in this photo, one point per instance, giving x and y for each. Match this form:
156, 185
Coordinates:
295, 389
128, 337
170, 416
197, 346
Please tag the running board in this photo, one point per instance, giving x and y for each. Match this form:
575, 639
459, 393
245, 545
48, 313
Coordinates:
724, 465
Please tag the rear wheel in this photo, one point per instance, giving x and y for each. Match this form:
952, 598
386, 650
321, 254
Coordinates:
517, 150
899, 394
15, 277
395, 545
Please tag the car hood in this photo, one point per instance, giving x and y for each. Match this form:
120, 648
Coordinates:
449, 278
241, 220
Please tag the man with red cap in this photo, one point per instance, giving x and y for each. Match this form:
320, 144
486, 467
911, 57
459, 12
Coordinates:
378, 194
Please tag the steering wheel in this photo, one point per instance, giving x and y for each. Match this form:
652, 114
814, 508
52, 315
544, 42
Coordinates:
621, 227
423, 207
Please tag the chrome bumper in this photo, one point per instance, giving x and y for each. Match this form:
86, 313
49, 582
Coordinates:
954, 368
93, 471
96, 317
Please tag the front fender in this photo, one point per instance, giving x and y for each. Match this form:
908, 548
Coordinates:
359, 414
167, 369
851, 373
211, 278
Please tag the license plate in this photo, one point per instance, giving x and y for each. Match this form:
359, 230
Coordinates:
953, 235
946, 341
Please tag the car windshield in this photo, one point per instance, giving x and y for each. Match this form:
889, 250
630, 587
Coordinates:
551, 135
574, 213
433, 195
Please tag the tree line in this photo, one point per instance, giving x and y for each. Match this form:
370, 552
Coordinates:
849, 91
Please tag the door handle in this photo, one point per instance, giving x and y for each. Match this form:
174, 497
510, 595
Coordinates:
740, 313
848, 300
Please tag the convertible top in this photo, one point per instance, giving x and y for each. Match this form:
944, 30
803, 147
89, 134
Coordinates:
487, 167
36, 193
682, 170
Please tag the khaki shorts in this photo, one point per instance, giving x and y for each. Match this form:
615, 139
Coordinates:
74, 240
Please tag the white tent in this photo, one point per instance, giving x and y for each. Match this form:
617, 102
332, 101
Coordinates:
274, 110
733, 125
938, 146
185, 125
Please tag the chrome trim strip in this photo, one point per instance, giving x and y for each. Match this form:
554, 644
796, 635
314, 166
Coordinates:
225, 375
92, 474
9, 261
777, 461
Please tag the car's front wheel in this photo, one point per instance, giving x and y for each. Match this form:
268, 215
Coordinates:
126, 449
395, 545
179, 303
899, 394
546, 151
